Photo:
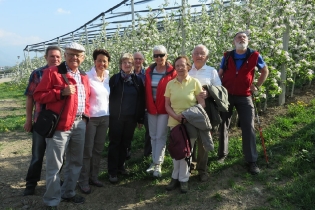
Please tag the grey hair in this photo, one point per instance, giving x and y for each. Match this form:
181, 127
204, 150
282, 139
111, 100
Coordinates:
160, 48
140, 54
203, 46
126, 56
52, 48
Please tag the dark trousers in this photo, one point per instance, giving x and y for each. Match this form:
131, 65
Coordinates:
245, 109
147, 139
38, 152
120, 135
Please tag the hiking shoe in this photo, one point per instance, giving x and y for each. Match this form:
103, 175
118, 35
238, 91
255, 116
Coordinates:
172, 185
30, 190
221, 159
157, 171
85, 189
77, 199
253, 168
184, 187
204, 177
151, 168
113, 179
96, 183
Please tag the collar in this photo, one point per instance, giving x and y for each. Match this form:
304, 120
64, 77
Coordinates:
203, 67
185, 79
70, 70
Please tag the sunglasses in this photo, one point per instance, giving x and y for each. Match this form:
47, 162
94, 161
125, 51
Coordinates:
158, 55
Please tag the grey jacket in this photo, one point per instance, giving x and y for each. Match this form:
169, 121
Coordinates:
198, 117
218, 102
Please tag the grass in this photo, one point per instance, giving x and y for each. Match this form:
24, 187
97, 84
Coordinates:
12, 118
287, 182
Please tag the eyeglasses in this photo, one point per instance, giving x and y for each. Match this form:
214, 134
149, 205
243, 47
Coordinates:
72, 55
200, 54
140, 59
158, 55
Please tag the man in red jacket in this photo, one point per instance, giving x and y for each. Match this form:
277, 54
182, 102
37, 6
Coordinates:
55, 92
237, 73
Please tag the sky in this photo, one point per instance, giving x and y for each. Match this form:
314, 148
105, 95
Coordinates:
25, 22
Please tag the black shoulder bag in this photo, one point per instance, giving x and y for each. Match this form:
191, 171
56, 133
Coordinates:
47, 120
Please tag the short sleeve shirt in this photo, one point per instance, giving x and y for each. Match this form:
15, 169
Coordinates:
182, 95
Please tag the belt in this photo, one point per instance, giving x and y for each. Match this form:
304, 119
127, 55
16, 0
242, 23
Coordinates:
78, 117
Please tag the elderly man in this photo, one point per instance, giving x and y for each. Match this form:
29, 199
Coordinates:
207, 76
139, 70
237, 73
53, 58
68, 138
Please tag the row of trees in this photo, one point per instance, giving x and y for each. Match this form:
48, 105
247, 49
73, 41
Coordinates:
282, 31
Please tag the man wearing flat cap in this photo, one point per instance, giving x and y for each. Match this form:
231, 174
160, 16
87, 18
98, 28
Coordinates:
73, 97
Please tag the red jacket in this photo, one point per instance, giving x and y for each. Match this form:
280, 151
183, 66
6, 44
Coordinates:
239, 82
49, 90
157, 107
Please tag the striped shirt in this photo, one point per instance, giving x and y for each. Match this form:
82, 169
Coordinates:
80, 88
156, 77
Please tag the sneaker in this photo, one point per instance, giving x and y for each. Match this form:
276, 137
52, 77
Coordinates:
113, 179
204, 177
172, 185
253, 168
96, 183
85, 189
29, 190
151, 168
184, 187
221, 159
157, 171
77, 199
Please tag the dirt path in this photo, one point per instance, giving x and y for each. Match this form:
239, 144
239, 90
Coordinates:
15, 155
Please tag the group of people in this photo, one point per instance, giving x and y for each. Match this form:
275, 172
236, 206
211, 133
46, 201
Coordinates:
94, 103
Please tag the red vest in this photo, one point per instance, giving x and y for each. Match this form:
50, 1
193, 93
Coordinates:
157, 106
239, 82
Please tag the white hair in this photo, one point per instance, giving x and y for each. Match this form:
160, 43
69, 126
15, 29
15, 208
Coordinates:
202, 46
160, 48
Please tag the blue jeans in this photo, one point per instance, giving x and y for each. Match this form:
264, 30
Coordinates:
38, 152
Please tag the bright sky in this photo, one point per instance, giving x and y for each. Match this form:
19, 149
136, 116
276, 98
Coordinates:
25, 22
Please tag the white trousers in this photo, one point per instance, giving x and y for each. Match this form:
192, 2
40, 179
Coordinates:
158, 132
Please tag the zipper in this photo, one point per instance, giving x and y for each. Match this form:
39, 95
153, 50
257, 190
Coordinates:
122, 94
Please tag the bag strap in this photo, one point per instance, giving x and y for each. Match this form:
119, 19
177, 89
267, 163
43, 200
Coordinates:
187, 159
64, 104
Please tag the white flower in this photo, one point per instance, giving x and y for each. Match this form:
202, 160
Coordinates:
289, 79
263, 95
310, 71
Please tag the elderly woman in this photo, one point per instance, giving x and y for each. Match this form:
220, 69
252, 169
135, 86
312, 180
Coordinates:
96, 129
157, 77
182, 93
126, 107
